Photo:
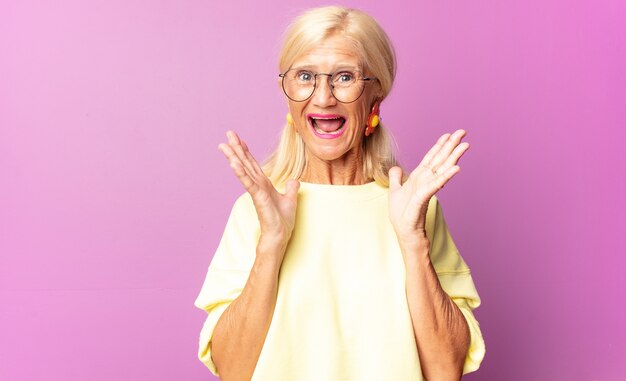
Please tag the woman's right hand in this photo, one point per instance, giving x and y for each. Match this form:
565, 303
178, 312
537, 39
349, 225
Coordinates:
276, 211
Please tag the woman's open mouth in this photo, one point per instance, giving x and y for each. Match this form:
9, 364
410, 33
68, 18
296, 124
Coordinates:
327, 126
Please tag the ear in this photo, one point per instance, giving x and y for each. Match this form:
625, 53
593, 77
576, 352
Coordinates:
377, 90
377, 99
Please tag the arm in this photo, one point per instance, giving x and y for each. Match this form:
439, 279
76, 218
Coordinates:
241, 330
441, 332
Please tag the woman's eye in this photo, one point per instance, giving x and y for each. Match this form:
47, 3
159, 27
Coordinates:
345, 77
305, 76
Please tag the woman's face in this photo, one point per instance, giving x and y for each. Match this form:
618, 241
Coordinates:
331, 129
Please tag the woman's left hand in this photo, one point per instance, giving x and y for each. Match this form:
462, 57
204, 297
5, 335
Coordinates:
408, 202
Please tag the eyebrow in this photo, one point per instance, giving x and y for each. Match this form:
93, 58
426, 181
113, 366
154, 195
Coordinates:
337, 68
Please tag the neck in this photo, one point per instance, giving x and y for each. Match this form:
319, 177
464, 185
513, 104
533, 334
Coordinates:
346, 170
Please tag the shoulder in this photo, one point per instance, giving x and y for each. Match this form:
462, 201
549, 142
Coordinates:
243, 217
243, 206
443, 251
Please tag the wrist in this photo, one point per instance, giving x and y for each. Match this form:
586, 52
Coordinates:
413, 238
415, 246
272, 245
272, 242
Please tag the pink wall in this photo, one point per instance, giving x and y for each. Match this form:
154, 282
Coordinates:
113, 195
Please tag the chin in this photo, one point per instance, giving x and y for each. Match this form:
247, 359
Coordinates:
329, 153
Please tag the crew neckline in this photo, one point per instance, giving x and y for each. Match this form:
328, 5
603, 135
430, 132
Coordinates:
359, 191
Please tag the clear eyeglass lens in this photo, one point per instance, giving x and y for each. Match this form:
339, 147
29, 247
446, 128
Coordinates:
346, 86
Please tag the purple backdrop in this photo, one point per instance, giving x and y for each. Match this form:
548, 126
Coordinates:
113, 195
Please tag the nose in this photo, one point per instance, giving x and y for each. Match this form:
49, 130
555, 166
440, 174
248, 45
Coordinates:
322, 95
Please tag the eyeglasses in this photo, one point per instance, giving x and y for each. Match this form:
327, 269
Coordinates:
345, 85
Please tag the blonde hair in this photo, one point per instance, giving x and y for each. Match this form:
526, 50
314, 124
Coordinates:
309, 29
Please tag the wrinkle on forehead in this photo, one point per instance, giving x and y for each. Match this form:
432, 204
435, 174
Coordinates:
331, 53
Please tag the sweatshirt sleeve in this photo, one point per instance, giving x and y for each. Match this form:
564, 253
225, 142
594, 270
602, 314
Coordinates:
228, 271
455, 279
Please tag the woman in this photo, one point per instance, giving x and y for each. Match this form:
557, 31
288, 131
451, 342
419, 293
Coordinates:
333, 265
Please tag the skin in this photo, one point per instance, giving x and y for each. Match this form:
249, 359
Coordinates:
333, 161
441, 332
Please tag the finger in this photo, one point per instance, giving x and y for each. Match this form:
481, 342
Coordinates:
291, 189
246, 159
256, 180
447, 148
455, 155
395, 178
233, 159
238, 167
228, 151
433, 151
243, 144
235, 142
446, 176
253, 162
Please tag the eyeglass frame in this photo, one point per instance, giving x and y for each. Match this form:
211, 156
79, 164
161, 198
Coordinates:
330, 85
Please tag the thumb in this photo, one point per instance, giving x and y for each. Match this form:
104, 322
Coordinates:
395, 178
291, 188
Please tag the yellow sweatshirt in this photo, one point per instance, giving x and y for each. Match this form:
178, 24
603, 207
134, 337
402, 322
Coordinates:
341, 312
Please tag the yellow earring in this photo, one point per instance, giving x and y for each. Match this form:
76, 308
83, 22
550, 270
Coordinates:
289, 118
373, 119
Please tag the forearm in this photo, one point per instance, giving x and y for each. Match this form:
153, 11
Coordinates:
441, 331
241, 330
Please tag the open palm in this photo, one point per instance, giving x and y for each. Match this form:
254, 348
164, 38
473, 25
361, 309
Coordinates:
408, 202
276, 211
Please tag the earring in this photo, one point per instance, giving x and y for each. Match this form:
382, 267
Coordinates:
373, 120
289, 119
